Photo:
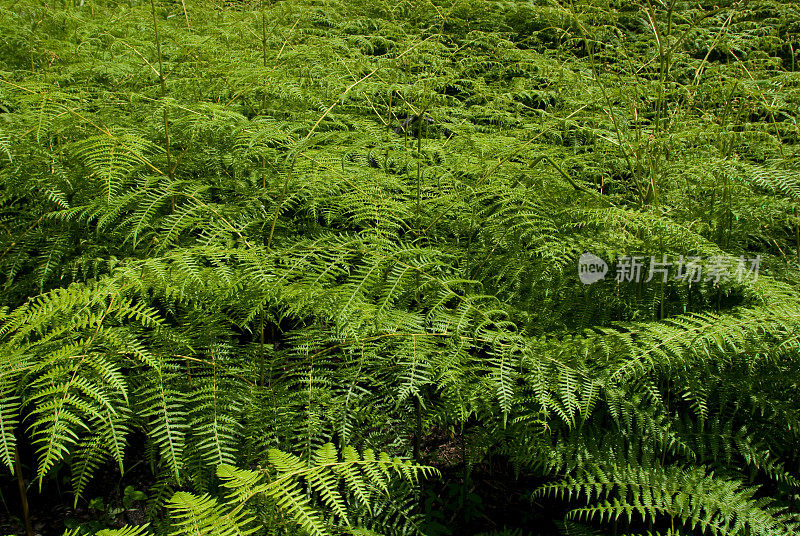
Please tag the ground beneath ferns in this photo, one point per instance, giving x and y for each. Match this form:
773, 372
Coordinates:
494, 496
51, 512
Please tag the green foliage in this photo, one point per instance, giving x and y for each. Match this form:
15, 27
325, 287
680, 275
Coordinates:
688, 497
267, 234
291, 487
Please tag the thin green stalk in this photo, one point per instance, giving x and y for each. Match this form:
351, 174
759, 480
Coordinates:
610, 109
405, 133
661, 113
294, 158
797, 234
162, 82
261, 352
264, 56
186, 15
388, 134
663, 66
417, 430
30, 45
280, 201
593, 62
419, 169
23, 494
418, 225
463, 499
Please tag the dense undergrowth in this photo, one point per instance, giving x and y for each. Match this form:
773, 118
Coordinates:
247, 248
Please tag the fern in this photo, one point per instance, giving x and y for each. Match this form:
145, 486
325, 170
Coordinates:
693, 498
244, 230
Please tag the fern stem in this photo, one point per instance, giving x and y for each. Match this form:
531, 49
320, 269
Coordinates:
417, 429
797, 234
23, 494
163, 84
387, 134
166, 146
30, 45
466, 476
607, 99
419, 170
294, 158
158, 49
389, 120
186, 15
261, 356
263, 57
280, 202
662, 66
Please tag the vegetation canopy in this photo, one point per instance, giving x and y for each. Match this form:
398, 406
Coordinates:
316, 267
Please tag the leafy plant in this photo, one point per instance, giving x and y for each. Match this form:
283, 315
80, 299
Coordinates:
239, 241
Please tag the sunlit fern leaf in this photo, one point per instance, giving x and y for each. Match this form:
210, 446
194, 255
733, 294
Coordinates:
203, 515
324, 475
46, 107
89, 455
5, 144
9, 411
162, 405
70, 398
213, 418
112, 157
135, 530
289, 497
693, 498
783, 181
128, 530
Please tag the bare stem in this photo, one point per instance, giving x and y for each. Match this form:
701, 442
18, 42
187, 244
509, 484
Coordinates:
163, 83
23, 494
